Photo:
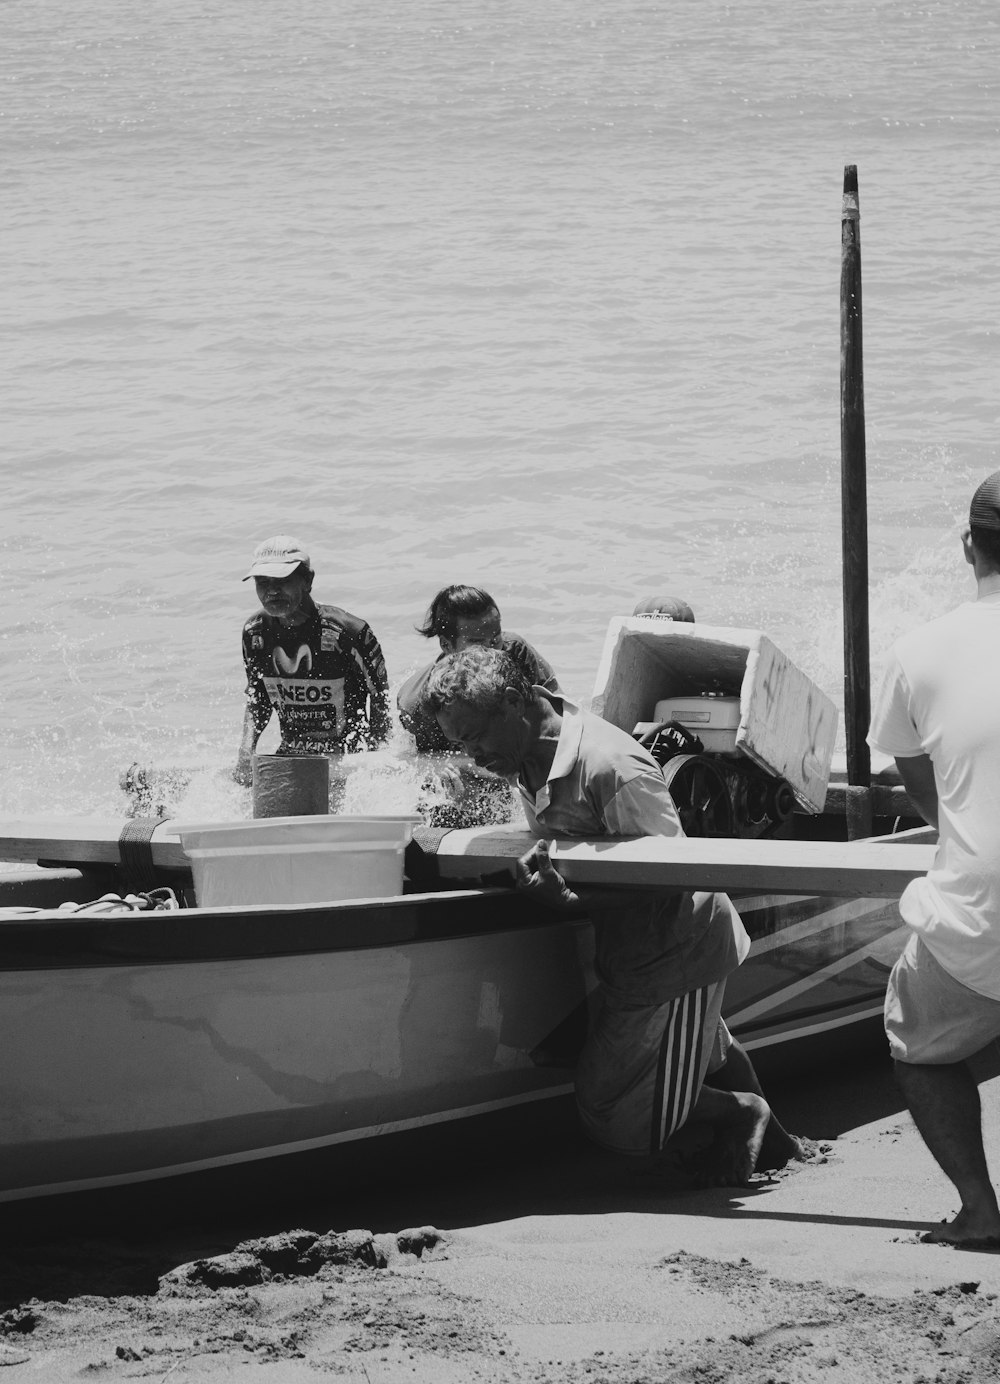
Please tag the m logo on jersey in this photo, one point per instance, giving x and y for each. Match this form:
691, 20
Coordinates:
291, 667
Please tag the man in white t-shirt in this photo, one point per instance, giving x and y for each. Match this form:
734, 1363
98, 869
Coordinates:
658, 1051
938, 714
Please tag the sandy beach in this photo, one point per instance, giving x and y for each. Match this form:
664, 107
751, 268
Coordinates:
470, 1258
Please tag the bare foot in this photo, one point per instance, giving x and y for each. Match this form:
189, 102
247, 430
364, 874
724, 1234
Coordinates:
732, 1158
966, 1231
795, 1149
809, 1150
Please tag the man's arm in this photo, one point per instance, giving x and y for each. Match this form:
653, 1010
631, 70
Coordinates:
372, 664
255, 716
243, 773
641, 807
917, 773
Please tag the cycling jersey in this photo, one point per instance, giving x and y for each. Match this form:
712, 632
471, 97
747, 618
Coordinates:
325, 678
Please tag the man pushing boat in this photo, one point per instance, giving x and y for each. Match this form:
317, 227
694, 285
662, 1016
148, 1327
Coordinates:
658, 1052
938, 714
318, 667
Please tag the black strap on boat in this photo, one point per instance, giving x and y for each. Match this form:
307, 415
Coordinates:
419, 858
423, 872
135, 852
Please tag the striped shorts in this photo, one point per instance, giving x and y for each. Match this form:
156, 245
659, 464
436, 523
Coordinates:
641, 1069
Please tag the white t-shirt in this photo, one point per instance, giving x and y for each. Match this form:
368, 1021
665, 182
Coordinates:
941, 697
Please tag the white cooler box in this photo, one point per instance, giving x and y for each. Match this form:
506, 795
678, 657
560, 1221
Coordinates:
760, 706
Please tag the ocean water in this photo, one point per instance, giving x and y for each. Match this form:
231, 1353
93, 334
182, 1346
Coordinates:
543, 297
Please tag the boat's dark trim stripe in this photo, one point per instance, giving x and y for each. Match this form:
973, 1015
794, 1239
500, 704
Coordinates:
780, 1016
784, 1030
859, 971
197, 935
125, 1176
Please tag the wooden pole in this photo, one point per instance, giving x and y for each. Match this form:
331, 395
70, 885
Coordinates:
854, 517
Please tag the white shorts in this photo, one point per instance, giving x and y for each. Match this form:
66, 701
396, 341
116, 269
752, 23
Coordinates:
641, 1070
930, 1017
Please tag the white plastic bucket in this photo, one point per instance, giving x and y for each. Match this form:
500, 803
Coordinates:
312, 859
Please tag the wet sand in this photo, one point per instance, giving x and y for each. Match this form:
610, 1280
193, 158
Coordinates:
524, 1256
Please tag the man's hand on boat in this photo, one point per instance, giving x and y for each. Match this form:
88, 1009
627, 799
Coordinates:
537, 874
243, 771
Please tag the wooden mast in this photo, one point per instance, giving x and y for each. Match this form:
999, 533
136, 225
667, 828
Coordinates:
854, 518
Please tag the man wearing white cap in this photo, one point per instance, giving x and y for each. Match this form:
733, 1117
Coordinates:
319, 667
938, 714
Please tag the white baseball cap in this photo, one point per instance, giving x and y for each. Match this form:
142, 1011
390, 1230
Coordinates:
278, 557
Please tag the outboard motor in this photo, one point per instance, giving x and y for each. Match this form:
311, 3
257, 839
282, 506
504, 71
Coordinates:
716, 792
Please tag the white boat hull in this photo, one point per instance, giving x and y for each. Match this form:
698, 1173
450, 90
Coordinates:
137, 1047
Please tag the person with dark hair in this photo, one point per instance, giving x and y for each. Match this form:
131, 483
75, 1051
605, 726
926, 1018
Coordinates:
657, 1052
318, 667
937, 713
458, 618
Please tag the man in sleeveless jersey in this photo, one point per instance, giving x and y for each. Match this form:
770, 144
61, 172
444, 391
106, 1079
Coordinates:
662, 957
319, 668
937, 713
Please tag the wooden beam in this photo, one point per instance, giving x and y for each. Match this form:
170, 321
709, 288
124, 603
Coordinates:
859, 869
872, 869
83, 841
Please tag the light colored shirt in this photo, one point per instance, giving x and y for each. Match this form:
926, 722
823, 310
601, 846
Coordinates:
655, 945
940, 696
602, 783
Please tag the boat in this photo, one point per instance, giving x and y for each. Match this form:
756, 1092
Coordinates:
142, 1044
145, 1044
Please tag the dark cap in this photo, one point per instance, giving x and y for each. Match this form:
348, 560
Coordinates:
984, 512
666, 607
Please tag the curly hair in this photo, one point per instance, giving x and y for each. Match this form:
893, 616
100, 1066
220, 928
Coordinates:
476, 677
452, 604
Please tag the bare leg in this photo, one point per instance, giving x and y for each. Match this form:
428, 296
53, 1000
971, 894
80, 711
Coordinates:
739, 1120
779, 1147
944, 1103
